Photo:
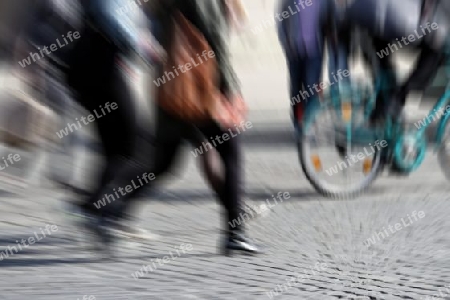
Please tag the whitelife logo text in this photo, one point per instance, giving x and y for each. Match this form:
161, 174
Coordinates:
87, 120
168, 76
53, 47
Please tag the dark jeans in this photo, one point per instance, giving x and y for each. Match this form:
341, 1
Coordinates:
158, 155
304, 73
95, 80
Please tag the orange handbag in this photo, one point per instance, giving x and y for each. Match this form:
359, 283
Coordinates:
192, 95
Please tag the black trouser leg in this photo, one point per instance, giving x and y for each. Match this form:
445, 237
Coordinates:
208, 164
166, 148
116, 129
230, 194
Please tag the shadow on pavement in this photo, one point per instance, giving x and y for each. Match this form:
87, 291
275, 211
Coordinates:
15, 261
31, 262
269, 135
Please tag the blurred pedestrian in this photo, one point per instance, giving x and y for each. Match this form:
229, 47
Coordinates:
96, 77
302, 39
43, 70
209, 20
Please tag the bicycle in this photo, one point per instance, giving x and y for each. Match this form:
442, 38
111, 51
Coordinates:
351, 108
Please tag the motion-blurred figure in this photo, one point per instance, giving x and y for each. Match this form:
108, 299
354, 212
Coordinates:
49, 23
96, 78
237, 17
432, 48
391, 31
302, 38
209, 17
387, 23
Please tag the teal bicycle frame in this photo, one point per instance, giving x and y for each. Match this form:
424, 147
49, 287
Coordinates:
444, 119
392, 132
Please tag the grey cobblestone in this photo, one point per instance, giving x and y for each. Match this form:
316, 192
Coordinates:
409, 264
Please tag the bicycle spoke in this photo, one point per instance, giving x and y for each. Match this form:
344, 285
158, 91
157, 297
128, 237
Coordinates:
330, 145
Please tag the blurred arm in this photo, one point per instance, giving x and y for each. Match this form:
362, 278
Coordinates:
124, 24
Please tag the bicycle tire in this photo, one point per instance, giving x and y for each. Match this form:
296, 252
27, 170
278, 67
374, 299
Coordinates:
323, 188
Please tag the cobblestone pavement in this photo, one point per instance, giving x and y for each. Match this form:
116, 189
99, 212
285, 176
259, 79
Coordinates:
300, 234
321, 243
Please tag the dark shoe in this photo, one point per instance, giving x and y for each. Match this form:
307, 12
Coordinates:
236, 241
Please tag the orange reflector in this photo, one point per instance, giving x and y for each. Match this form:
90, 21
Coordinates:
367, 165
346, 111
316, 162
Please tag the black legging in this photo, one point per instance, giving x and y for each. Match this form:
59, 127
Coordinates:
158, 154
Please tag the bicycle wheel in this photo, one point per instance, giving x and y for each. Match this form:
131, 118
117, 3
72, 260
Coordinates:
339, 157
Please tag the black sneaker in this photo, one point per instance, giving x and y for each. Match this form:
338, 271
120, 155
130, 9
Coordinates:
237, 241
